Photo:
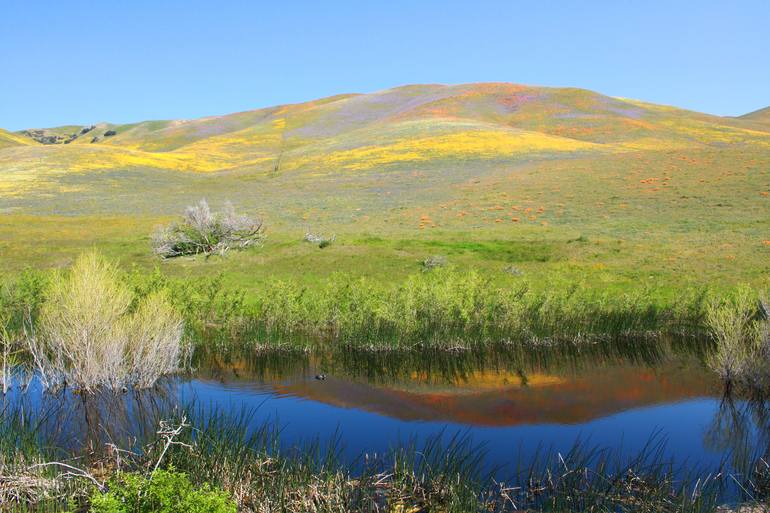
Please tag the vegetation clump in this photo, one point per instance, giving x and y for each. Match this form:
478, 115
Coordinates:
740, 326
202, 231
164, 491
323, 241
433, 262
221, 464
94, 332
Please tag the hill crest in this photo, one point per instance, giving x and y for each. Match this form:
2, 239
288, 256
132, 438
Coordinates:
407, 125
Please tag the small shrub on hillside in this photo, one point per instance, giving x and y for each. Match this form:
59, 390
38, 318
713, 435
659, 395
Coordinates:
433, 262
166, 491
323, 241
202, 231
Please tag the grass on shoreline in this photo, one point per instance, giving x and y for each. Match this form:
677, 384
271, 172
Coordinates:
442, 308
442, 474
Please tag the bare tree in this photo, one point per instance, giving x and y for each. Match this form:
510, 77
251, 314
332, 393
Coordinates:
202, 231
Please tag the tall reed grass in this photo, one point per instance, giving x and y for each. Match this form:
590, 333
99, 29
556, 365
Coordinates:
443, 309
444, 473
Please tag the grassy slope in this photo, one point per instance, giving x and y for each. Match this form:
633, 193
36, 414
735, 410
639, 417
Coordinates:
490, 175
9, 139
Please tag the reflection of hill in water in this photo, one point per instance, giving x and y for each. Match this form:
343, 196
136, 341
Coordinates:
490, 397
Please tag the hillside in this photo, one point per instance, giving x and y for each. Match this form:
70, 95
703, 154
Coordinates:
761, 116
412, 124
9, 139
489, 174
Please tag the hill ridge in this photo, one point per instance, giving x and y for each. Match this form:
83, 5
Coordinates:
412, 124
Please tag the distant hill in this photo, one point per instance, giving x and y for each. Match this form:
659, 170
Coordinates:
8, 139
758, 116
417, 125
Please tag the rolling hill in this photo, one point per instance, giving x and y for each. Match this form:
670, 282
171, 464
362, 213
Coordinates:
761, 116
9, 139
412, 124
519, 170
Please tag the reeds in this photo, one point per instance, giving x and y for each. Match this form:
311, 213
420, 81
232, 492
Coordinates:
444, 473
445, 309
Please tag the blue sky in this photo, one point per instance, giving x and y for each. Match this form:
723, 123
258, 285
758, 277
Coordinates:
80, 62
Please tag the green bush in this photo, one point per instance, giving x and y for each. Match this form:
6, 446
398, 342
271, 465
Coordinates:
167, 491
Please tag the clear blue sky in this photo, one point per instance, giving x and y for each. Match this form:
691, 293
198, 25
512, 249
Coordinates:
80, 62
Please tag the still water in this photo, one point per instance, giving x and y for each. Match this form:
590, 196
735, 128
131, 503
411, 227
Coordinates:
513, 405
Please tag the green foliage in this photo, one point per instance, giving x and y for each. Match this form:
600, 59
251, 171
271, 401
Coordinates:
445, 307
92, 332
739, 332
165, 491
21, 298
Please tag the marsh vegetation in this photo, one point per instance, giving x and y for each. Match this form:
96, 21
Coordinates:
96, 330
90, 331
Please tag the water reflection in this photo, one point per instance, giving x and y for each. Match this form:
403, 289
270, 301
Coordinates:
512, 398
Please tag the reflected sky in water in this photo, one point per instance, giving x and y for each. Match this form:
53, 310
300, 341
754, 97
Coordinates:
515, 407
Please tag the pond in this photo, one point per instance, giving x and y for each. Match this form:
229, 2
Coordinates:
515, 403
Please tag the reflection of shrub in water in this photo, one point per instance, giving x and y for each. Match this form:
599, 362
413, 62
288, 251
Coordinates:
89, 335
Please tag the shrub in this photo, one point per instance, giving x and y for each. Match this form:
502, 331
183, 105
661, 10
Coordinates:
165, 491
90, 336
204, 232
322, 240
433, 262
740, 354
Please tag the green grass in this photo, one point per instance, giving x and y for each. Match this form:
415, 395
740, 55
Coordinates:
443, 307
605, 229
214, 452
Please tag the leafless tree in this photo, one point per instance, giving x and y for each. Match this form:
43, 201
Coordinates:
202, 231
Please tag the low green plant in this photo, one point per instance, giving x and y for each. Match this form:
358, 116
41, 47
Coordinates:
163, 491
